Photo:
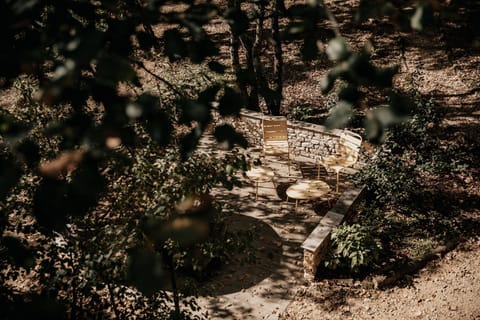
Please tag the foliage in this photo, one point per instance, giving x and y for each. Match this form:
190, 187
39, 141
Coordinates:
353, 247
301, 112
410, 150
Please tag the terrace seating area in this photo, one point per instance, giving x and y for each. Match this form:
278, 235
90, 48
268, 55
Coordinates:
293, 225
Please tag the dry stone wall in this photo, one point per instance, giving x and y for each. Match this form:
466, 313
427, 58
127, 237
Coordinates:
307, 140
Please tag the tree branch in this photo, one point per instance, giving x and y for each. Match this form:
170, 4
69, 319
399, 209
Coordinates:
159, 78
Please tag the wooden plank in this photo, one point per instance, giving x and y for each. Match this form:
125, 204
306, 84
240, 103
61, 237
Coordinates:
277, 137
275, 123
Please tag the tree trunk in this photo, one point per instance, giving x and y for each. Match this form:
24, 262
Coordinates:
278, 59
253, 100
235, 58
260, 79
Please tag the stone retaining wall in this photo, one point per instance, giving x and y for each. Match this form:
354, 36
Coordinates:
316, 245
305, 139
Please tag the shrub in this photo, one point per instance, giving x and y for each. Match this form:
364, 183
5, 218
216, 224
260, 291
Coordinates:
411, 149
353, 247
301, 112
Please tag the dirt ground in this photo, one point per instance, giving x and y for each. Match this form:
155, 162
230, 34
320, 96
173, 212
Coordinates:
446, 289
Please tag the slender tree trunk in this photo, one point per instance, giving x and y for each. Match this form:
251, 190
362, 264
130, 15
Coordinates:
235, 57
253, 100
278, 59
176, 299
260, 79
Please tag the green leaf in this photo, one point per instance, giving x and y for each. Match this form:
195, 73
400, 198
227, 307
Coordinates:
338, 50
349, 93
201, 49
189, 142
384, 76
86, 46
20, 6
156, 121
30, 152
208, 95
201, 13
159, 127
146, 40
422, 17
37, 307
309, 48
327, 82
295, 28
184, 229
85, 187
340, 115
192, 110
11, 128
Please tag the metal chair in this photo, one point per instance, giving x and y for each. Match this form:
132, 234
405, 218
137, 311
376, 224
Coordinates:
346, 154
275, 138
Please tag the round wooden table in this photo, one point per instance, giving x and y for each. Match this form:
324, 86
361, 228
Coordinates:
307, 190
260, 174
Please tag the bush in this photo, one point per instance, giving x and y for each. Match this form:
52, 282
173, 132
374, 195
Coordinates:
353, 247
411, 149
302, 112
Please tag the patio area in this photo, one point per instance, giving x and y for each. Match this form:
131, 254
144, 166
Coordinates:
262, 289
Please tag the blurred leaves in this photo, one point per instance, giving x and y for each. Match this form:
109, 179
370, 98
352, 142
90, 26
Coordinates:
17, 252
237, 19
175, 47
145, 270
338, 50
147, 109
185, 230
64, 164
56, 198
190, 224
230, 103
112, 69
340, 115
402, 16
10, 174
423, 16
12, 129
29, 151
216, 67
227, 134
37, 307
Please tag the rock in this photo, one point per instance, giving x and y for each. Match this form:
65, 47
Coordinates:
418, 314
